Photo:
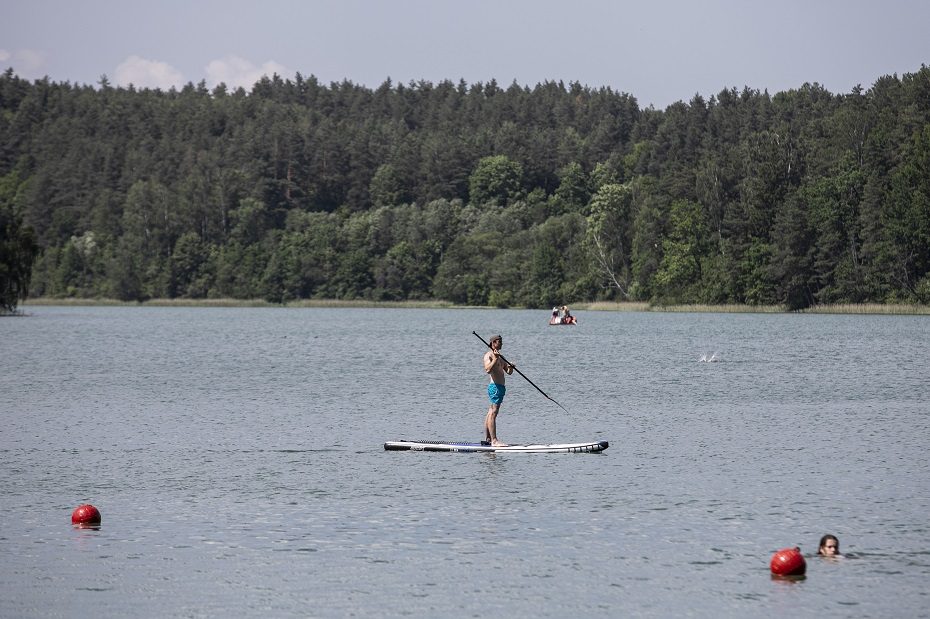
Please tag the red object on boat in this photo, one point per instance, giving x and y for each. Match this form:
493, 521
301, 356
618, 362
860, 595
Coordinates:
85, 514
788, 562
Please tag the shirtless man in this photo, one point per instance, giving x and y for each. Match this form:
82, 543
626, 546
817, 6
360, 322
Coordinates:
497, 368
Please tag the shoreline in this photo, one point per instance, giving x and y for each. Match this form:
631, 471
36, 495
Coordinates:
596, 306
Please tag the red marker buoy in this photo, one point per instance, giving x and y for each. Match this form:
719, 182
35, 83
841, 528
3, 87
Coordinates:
85, 515
788, 562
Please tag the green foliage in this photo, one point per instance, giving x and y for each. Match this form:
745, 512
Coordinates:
495, 180
574, 190
906, 216
406, 271
648, 232
833, 204
683, 251
792, 264
190, 267
753, 276
470, 193
462, 275
608, 238
545, 276
386, 187
18, 248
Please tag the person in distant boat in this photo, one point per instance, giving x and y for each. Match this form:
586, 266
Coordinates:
829, 546
497, 369
567, 317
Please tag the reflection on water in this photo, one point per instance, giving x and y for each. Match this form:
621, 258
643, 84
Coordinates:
236, 456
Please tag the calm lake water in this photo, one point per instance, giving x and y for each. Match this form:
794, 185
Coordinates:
236, 456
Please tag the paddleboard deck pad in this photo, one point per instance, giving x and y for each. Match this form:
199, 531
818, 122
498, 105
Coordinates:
592, 447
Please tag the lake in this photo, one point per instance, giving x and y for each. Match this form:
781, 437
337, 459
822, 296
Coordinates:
236, 456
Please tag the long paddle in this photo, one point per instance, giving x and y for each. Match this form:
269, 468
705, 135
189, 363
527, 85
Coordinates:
520, 373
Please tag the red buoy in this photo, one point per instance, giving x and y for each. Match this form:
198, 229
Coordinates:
788, 562
85, 515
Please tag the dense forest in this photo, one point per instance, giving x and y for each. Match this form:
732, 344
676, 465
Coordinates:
470, 193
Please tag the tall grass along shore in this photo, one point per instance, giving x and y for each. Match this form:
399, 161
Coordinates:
607, 306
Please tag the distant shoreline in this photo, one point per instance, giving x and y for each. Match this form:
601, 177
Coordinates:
609, 306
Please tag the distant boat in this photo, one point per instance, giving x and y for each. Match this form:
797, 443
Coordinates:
561, 316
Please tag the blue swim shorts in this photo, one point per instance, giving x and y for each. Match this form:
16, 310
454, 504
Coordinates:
496, 393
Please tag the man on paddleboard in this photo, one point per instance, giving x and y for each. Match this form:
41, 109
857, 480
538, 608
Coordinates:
497, 369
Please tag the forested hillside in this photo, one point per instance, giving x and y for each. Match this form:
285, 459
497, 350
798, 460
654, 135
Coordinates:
471, 193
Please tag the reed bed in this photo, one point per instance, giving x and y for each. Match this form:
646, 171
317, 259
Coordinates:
227, 302
633, 306
373, 304
597, 306
869, 308
727, 308
736, 308
613, 306
77, 302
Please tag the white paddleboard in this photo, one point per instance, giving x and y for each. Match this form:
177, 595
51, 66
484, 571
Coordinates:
592, 447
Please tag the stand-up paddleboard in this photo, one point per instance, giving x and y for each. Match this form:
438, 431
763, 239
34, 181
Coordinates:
592, 447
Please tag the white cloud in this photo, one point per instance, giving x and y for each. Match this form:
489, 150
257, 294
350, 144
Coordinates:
235, 72
26, 63
143, 73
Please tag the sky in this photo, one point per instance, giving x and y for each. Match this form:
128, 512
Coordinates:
659, 51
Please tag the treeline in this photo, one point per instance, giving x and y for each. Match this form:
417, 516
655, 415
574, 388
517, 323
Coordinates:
473, 194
